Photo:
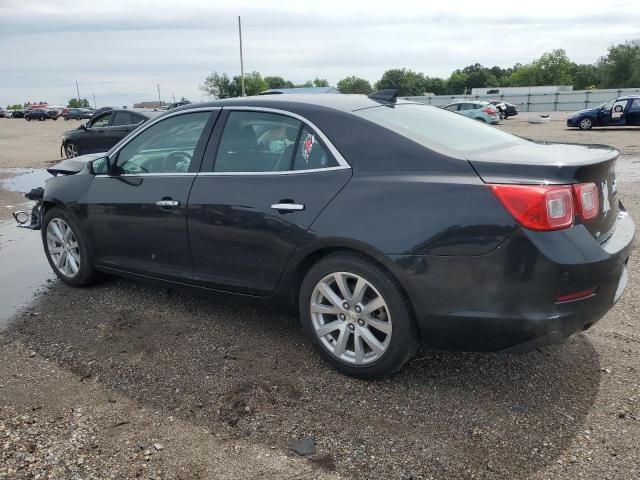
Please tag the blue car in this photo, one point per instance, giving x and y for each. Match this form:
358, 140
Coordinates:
620, 112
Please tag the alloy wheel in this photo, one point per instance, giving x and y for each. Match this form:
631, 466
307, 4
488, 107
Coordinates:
351, 318
71, 150
585, 124
63, 247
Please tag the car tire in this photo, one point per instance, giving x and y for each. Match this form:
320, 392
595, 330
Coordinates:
506, 115
41, 118
585, 123
66, 119
67, 249
386, 336
28, 119
71, 149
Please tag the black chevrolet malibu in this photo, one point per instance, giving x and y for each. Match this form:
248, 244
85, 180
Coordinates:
384, 223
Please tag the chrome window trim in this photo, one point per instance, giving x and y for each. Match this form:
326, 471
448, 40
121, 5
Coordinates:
342, 162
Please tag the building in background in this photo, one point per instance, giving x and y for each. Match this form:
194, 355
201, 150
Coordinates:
154, 104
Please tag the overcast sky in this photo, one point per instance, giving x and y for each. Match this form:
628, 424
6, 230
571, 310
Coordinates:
121, 49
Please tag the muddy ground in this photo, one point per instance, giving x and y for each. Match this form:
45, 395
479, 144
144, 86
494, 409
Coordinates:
125, 380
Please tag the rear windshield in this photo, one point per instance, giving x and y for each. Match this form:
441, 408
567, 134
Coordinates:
438, 129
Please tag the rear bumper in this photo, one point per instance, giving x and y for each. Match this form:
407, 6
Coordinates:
507, 299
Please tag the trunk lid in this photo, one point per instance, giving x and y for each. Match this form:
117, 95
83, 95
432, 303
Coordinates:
557, 163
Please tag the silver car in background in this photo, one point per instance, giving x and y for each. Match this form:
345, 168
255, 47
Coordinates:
478, 110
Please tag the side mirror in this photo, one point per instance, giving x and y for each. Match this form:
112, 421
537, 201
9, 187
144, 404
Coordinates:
100, 166
83, 126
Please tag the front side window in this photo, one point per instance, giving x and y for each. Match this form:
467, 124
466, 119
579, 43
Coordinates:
452, 108
101, 121
257, 142
166, 147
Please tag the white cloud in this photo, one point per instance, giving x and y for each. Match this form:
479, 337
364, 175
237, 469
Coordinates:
120, 50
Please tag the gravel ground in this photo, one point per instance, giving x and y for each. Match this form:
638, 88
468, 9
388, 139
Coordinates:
91, 379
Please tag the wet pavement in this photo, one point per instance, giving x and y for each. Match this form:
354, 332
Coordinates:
23, 266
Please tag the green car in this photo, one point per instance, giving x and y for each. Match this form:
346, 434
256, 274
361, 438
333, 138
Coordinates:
481, 111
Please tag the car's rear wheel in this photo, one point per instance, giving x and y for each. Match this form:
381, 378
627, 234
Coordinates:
357, 316
66, 248
71, 149
585, 124
28, 119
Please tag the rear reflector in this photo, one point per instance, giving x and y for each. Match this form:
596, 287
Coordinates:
576, 295
537, 207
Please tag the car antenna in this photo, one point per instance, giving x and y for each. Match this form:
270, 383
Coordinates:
388, 95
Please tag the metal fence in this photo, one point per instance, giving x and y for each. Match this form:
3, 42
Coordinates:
539, 102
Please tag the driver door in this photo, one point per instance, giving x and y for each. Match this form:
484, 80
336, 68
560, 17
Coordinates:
137, 211
95, 135
614, 114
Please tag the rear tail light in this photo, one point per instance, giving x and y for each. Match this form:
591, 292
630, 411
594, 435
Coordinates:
587, 200
488, 110
548, 207
537, 207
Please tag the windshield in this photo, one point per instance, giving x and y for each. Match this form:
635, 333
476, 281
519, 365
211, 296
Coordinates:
438, 129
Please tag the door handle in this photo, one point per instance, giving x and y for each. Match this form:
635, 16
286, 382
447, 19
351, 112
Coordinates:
167, 203
288, 207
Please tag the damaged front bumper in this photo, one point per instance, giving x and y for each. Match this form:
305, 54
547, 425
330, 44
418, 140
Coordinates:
31, 219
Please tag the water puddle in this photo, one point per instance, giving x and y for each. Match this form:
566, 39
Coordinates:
23, 266
23, 269
22, 179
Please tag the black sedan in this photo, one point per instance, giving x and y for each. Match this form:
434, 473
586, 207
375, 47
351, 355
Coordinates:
383, 223
40, 114
103, 131
506, 111
77, 114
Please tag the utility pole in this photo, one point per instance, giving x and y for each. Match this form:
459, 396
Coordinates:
78, 92
159, 101
94, 101
241, 61
173, 95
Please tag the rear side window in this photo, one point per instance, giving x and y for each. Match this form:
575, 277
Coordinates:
310, 154
436, 129
636, 103
122, 118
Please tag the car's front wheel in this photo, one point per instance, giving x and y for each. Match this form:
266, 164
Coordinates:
28, 119
71, 149
66, 248
585, 124
357, 316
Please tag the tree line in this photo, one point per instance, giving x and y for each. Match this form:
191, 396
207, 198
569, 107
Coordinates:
619, 68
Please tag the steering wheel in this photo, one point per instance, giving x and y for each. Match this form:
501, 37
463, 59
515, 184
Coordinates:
170, 162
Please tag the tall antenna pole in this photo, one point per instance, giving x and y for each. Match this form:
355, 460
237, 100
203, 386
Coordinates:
159, 101
241, 61
78, 92
94, 101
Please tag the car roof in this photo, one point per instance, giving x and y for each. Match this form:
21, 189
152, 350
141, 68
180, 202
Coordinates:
346, 103
147, 112
629, 97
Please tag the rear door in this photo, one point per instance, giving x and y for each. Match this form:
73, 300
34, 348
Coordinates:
266, 176
137, 211
633, 114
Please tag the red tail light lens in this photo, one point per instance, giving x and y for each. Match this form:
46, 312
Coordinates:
489, 111
587, 200
537, 207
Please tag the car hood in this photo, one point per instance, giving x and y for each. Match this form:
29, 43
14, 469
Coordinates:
72, 166
582, 112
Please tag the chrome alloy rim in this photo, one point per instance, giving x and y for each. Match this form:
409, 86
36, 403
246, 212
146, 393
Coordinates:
63, 247
585, 123
72, 150
351, 318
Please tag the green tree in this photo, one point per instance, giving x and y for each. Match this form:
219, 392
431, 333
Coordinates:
278, 82
435, 85
75, 103
320, 82
458, 83
354, 84
218, 86
479, 76
407, 82
15, 106
620, 68
307, 84
552, 68
585, 76
253, 84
